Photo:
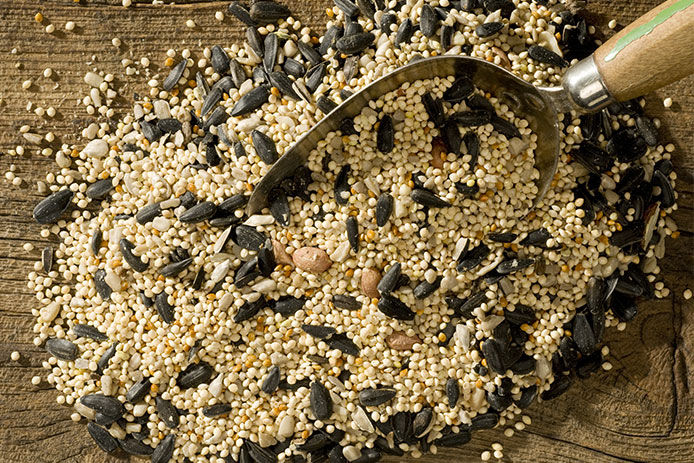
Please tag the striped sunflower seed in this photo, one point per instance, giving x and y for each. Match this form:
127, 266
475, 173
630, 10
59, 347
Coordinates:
51, 208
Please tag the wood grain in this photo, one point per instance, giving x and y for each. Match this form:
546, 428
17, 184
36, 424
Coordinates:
632, 63
641, 411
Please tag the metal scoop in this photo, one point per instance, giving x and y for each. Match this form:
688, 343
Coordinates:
652, 52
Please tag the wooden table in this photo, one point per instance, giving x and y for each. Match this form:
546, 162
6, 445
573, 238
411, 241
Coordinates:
641, 411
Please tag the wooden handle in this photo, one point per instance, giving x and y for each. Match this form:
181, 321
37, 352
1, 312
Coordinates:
653, 51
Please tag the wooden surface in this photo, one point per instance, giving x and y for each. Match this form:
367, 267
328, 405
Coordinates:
641, 411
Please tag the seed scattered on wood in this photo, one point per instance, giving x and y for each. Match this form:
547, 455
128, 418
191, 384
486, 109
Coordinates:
61, 349
51, 208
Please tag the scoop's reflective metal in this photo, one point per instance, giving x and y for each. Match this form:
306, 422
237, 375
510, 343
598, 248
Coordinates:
583, 91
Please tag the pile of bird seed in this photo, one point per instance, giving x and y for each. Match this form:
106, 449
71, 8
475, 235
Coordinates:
398, 293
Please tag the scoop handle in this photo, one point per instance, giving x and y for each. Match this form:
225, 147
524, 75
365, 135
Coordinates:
649, 53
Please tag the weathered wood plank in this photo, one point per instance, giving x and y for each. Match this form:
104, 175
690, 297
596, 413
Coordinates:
641, 411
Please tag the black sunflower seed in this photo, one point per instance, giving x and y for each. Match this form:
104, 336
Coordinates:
352, 227
47, 259
351, 28
167, 412
284, 84
321, 403
342, 343
174, 268
502, 237
528, 396
558, 387
318, 331
246, 273
266, 260
88, 331
385, 136
425, 289
325, 104
583, 334
279, 206
452, 391
293, 68
126, 248
623, 307
434, 109
387, 20
101, 436
233, 203
504, 127
315, 441
428, 21
271, 46
212, 157
349, 8
472, 118
513, 265
266, 12
520, 315
202, 84
51, 208
100, 189
446, 36
288, 305
421, 421
367, 8
627, 145
108, 354
61, 349
264, 147
174, 75
374, 397
164, 309
108, 406
150, 131
213, 97
402, 426
169, 125
219, 60
384, 208
218, 116
461, 89
343, 301
164, 450
472, 257
271, 381
216, 410
148, 213
315, 75
537, 237
132, 446
427, 198
404, 33
389, 281
138, 391
255, 41
450, 133
251, 101
454, 439
394, 308
546, 56
309, 53
499, 402
569, 352
195, 375
238, 74
485, 421
667, 193
249, 310
383, 445
241, 13
492, 351
199, 213
332, 35
488, 29
102, 288
342, 185
248, 237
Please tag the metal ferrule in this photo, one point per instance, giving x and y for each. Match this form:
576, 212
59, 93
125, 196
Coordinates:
584, 87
